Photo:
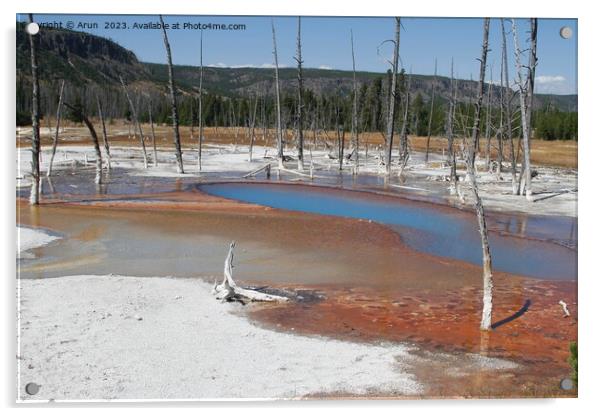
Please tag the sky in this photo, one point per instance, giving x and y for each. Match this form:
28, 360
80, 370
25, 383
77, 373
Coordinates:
326, 43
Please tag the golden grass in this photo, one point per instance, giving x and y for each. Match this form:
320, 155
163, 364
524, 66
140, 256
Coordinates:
549, 153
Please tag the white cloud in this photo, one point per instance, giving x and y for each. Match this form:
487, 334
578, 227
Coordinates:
548, 79
325, 67
553, 84
264, 65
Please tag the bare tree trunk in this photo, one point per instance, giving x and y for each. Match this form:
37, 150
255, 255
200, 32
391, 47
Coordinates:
487, 269
300, 100
451, 152
506, 105
201, 104
354, 127
341, 144
428, 138
58, 125
488, 122
105, 138
476, 128
174, 105
34, 197
392, 98
152, 126
403, 136
526, 102
252, 129
80, 114
529, 107
136, 122
278, 113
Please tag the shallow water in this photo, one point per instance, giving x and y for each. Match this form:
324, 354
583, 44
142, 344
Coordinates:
519, 246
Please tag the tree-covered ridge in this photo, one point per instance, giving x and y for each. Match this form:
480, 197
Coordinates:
92, 65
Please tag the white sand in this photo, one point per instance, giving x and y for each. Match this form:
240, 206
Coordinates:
114, 337
29, 238
103, 337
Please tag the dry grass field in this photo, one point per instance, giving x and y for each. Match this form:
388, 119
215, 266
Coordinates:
557, 153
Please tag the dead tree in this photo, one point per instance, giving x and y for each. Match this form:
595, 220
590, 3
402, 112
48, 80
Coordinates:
487, 269
430, 124
449, 127
152, 126
174, 103
403, 136
79, 113
299, 99
105, 138
526, 102
278, 112
488, 121
476, 128
252, 129
58, 125
354, 127
34, 197
201, 104
392, 98
136, 122
228, 290
506, 99
341, 143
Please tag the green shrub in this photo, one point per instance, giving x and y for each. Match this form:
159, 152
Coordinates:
573, 361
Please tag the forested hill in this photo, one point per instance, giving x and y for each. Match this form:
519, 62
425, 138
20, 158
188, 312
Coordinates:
83, 59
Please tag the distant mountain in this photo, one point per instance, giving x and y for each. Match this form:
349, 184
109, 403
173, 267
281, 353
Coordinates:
82, 58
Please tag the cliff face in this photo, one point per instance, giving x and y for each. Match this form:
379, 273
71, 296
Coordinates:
79, 58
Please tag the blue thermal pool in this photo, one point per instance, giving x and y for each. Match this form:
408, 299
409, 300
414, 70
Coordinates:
520, 244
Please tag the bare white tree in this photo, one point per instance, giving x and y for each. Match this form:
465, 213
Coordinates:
105, 138
392, 98
299, 99
152, 126
526, 88
506, 99
354, 123
201, 104
487, 269
430, 123
278, 112
79, 112
34, 196
56, 131
174, 104
136, 122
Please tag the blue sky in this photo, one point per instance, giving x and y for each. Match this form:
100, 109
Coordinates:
326, 43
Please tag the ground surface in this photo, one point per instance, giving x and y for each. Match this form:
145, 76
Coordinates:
414, 332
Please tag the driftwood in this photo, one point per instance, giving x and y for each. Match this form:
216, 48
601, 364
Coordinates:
564, 308
228, 290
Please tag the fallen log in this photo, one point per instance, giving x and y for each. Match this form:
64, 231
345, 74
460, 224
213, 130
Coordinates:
228, 290
266, 167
